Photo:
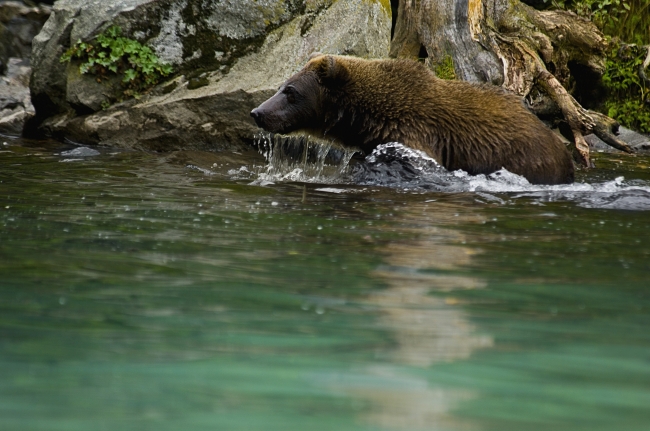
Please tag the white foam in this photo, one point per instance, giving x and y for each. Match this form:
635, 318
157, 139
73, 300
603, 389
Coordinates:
303, 159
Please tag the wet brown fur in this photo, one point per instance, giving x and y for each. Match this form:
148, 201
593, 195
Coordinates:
477, 128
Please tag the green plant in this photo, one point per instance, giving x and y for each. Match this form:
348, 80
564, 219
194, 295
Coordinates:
627, 20
112, 53
445, 70
628, 94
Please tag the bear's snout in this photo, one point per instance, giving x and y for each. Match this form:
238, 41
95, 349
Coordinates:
258, 117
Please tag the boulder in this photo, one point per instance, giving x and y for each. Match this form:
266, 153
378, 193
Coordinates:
228, 57
15, 102
639, 142
19, 23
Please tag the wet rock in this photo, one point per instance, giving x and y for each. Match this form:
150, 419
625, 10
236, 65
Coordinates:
15, 102
19, 23
12, 122
239, 51
81, 152
639, 142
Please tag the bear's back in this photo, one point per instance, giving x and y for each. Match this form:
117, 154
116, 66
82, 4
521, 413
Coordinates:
477, 128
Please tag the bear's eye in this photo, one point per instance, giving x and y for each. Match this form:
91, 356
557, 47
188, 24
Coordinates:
290, 93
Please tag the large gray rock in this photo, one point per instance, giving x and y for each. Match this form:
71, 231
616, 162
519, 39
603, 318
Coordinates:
15, 102
640, 143
19, 23
229, 56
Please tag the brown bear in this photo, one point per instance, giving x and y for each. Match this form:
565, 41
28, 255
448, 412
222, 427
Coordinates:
364, 103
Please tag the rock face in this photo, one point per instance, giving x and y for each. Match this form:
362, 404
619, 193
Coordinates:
19, 23
15, 104
228, 57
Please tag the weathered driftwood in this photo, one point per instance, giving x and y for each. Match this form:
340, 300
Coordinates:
510, 44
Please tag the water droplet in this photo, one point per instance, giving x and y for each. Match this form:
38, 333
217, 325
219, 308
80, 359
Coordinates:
320, 228
274, 204
305, 306
62, 300
320, 310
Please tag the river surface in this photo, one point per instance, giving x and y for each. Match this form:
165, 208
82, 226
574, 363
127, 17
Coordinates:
195, 291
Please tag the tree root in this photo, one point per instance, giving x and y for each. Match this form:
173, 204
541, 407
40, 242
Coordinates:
524, 52
579, 120
606, 129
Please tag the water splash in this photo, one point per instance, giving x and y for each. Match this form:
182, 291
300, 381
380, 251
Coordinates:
305, 158
302, 157
396, 166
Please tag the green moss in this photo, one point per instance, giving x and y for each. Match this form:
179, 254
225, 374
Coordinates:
385, 4
445, 69
197, 83
169, 88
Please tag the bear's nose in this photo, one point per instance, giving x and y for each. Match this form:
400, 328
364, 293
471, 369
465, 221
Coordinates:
258, 117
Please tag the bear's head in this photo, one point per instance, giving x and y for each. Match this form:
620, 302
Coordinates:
302, 101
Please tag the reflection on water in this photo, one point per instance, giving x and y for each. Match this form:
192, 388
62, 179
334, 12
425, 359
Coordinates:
175, 292
426, 329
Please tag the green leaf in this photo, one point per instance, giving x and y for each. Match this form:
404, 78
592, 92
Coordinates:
110, 52
114, 31
129, 75
165, 69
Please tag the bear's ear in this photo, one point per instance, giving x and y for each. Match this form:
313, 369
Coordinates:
315, 54
330, 71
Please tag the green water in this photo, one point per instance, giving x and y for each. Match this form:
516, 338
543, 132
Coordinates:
139, 294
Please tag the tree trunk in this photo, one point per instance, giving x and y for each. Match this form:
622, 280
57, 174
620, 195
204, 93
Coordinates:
510, 44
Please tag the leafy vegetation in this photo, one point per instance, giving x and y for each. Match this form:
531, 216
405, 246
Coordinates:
445, 69
628, 20
628, 100
112, 53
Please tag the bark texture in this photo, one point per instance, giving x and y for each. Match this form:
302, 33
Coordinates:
508, 43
